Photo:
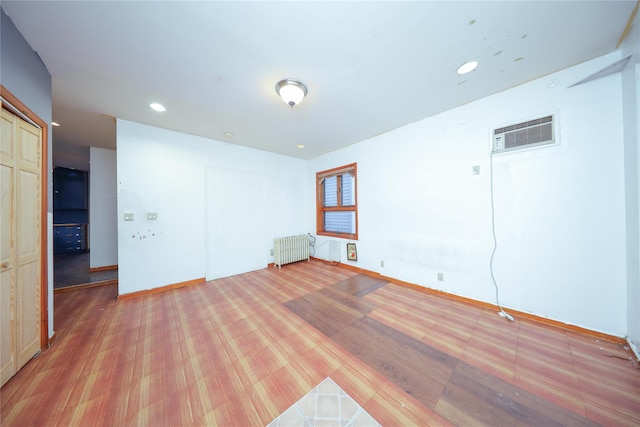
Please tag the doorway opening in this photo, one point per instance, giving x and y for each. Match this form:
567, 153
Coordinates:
71, 246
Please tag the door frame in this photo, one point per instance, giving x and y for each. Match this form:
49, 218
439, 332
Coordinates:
13, 103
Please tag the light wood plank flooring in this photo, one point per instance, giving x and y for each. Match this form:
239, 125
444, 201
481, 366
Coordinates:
241, 350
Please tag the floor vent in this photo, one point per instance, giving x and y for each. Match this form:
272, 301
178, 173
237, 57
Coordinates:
524, 135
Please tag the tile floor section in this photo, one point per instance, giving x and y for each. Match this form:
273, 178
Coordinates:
326, 405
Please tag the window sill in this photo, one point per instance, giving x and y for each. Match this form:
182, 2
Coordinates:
346, 236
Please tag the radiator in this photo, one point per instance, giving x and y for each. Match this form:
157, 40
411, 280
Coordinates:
290, 249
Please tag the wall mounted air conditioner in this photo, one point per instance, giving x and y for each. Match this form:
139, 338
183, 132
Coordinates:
524, 135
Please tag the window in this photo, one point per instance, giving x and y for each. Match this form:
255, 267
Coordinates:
336, 205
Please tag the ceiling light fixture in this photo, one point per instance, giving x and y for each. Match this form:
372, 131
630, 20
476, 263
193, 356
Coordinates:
467, 67
291, 91
55, 124
157, 107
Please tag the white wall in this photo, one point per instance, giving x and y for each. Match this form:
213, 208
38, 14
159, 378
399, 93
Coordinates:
559, 213
164, 171
631, 111
103, 212
25, 76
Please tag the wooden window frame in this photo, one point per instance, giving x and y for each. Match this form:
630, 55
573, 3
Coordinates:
321, 209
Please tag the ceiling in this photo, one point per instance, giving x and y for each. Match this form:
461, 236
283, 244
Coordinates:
369, 67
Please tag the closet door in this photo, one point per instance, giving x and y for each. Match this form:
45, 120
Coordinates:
236, 228
7, 245
20, 253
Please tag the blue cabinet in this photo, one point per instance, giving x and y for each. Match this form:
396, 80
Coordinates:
70, 238
70, 214
70, 189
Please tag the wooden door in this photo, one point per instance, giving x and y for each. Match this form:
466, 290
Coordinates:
20, 249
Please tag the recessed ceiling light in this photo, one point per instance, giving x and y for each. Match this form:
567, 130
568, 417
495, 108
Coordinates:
300, 146
228, 134
55, 124
157, 107
467, 67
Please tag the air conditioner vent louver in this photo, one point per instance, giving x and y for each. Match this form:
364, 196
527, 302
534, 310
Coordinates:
524, 135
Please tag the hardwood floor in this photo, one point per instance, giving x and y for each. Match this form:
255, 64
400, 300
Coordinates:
241, 350
73, 270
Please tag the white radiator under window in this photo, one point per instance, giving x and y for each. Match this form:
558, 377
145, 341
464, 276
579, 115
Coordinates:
290, 249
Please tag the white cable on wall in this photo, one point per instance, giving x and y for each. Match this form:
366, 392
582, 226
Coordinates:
495, 245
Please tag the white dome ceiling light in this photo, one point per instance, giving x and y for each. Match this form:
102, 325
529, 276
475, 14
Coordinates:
291, 91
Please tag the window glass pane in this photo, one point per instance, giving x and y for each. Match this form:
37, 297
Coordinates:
331, 191
340, 222
348, 194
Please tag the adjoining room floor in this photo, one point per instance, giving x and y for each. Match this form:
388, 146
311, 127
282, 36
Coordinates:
73, 270
240, 351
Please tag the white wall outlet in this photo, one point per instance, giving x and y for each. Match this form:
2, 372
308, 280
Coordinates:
152, 215
128, 216
476, 170
381, 263
271, 252
441, 277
